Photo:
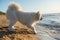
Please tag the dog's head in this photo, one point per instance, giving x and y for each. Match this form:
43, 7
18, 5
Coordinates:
14, 6
38, 16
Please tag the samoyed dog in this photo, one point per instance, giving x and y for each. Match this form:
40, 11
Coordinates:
14, 13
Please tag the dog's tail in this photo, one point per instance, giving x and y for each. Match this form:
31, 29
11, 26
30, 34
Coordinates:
15, 6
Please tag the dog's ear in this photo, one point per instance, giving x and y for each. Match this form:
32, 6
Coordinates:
38, 13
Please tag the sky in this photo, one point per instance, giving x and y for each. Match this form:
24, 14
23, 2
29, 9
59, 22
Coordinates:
44, 6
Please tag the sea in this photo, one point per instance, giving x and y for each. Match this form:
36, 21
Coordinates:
49, 27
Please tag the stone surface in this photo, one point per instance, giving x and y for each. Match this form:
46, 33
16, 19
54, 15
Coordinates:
23, 34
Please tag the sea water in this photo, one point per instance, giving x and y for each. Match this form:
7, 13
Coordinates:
49, 27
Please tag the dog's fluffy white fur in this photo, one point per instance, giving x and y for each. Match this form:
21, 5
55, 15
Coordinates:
14, 13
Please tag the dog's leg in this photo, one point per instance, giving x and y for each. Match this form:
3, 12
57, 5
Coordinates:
29, 26
12, 22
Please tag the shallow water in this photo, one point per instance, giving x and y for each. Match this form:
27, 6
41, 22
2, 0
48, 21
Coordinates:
49, 27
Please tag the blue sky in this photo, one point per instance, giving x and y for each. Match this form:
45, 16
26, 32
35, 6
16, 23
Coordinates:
45, 6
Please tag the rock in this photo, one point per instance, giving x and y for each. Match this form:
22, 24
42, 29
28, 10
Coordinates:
23, 34
20, 37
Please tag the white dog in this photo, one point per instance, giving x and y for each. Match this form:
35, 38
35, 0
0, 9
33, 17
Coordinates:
14, 13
